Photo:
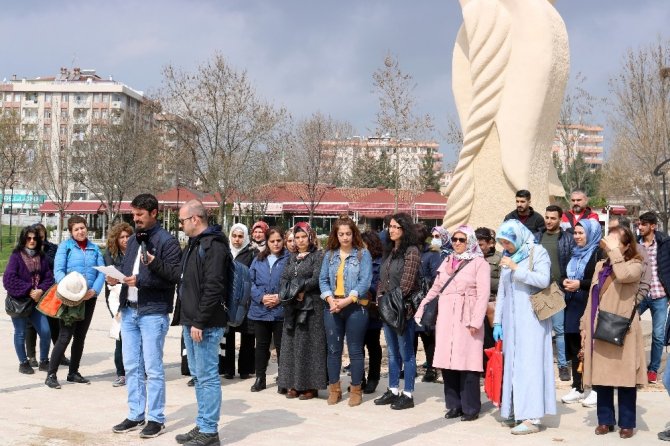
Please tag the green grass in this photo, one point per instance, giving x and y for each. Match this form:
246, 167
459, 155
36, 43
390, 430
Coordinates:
8, 244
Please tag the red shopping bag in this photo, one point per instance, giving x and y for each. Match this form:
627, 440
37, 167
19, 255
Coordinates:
49, 303
494, 374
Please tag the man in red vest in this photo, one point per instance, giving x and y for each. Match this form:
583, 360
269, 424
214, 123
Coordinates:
579, 210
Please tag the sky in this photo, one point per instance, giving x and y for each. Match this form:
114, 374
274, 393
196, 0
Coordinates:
306, 56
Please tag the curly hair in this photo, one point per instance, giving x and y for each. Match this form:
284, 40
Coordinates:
333, 242
373, 243
408, 237
23, 239
113, 237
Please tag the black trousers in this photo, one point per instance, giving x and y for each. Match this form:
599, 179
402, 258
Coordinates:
488, 339
247, 358
75, 332
461, 390
573, 343
428, 339
31, 335
374, 347
265, 331
118, 358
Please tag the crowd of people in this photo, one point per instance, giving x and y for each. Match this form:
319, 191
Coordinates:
306, 301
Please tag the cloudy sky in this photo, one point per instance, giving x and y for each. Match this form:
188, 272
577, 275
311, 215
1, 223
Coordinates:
307, 56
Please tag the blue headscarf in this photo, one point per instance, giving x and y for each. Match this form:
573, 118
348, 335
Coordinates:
581, 255
520, 236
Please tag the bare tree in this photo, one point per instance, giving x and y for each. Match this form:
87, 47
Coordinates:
639, 119
13, 154
396, 115
118, 160
226, 121
316, 156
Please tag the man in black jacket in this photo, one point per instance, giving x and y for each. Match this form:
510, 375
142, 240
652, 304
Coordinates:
525, 213
146, 299
200, 293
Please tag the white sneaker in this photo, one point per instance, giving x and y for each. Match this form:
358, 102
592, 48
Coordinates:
591, 400
574, 396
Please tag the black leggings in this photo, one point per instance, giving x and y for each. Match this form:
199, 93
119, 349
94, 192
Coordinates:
265, 331
246, 360
374, 353
75, 332
428, 339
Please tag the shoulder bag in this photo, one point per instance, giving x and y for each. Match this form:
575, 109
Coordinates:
429, 317
548, 301
19, 307
611, 327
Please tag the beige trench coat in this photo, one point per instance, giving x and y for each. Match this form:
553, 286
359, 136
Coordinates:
607, 364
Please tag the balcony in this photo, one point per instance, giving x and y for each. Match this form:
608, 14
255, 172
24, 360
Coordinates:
32, 103
82, 104
80, 120
29, 120
119, 105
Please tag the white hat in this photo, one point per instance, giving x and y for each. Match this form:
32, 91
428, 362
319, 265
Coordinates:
72, 289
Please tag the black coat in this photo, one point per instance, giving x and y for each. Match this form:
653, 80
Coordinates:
246, 256
534, 222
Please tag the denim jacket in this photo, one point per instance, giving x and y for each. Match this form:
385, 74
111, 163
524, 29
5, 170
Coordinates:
357, 273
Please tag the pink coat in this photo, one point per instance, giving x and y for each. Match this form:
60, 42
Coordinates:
462, 305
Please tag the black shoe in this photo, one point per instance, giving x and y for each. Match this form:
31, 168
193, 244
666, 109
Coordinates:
453, 413
564, 373
371, 386
77, 378
44, 366
65, 361
245, 376
282, 390
665, 435
33, 362
402, 374
403, 402
472, 417
430, 376
203, 439
229, 376
52, 381
191, 382
387, 398
127, 426
152, 429
25, 368
188, 436
259, 384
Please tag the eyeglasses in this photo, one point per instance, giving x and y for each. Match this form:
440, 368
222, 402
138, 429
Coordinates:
182, 220
459, 239
31, 237
395, 227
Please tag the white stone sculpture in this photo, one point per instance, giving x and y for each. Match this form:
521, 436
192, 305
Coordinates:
510, 67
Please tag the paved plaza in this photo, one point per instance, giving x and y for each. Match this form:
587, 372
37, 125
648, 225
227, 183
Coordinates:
32, 414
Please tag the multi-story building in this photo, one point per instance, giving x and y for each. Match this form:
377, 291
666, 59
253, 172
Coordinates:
57, 111
411, 155
572, 139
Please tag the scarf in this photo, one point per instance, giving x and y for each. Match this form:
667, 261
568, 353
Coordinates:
446, 247
238, 227
33, 263
472, 249
520, 236
582, 254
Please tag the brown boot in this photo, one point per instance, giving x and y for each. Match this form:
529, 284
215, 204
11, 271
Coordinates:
334, 393
355, 396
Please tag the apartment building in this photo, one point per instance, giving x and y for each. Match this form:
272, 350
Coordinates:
571, 139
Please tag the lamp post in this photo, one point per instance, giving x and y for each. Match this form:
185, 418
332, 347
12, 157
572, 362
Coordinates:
11, 212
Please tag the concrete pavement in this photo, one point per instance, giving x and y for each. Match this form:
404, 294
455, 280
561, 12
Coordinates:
32, 414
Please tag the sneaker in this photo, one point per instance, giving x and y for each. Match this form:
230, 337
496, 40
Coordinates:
430, 376
32, 361
591, 400
652, 376
152, 429
387, 398
127, 426
44, 366
564, 373
188, 436
574, 396
120, 381
191, 382
52, 381
403, 402
526, 427
77, 378
203, 439
665, 435
25, 368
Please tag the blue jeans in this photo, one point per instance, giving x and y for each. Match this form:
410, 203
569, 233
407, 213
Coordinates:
351, 322
627, 397
203, 359
41, 325
557, 321
143, 341
659, 313
401, 351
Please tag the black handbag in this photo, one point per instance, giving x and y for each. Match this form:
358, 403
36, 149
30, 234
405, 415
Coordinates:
16, 307
417, 296
289, 289
392, 310
613, 328
429, 316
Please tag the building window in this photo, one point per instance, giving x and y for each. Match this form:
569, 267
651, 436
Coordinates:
63, 114
64, 97
105, 98
47, 114
97, 97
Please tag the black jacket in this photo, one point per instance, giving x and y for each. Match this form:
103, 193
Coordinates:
662, 259
246, 255
155, 293
534, 222
204, 283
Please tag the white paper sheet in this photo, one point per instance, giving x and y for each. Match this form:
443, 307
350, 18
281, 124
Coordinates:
111, 272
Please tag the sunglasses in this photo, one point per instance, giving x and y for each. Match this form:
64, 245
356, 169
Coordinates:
459, 239
31, 237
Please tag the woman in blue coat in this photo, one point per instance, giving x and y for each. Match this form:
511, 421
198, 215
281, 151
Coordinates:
76, 254
266, 310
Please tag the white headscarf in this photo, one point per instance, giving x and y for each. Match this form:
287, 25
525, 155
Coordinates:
245, 231
472, 250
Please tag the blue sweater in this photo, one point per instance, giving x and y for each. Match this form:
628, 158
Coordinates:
265, 280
